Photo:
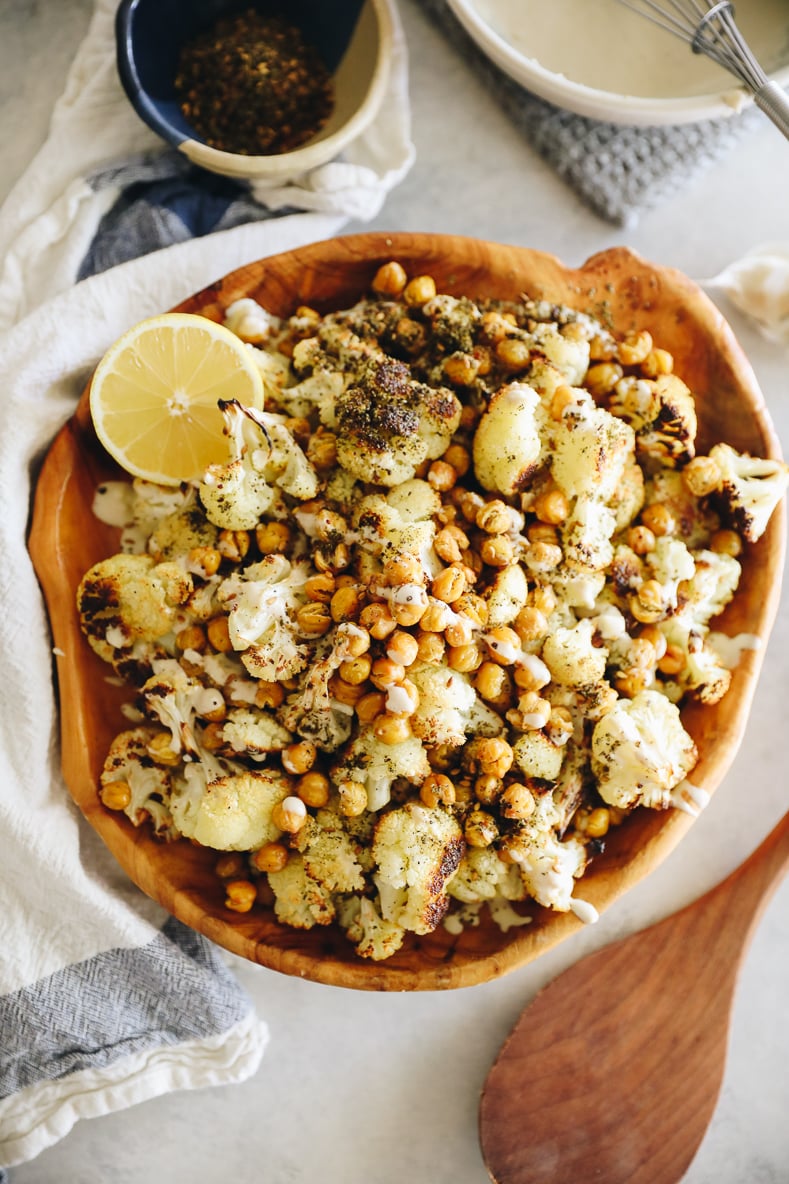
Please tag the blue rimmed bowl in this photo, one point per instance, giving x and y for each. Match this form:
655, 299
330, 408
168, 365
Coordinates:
354, 38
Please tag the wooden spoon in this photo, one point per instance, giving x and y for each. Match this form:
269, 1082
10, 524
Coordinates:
612, 1074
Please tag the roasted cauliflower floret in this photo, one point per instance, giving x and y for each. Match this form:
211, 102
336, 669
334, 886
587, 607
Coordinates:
312, 712
372, 936
176, 700
482, 876
261, 602
592, 449
537, 756
178, 533
571, 655
641, 752
376, 765
128, 764
253, 733
264, 459
507, 440
715, 579
663, 414
416, 851
568, 355
749, 489
330, 855
587, 532
299, 899
449, 707
388, 423
230, 812
128, 599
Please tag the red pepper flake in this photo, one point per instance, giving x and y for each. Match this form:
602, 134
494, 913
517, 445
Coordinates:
253, 86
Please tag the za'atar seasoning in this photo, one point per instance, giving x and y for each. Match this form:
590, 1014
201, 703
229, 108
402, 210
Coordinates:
252, 85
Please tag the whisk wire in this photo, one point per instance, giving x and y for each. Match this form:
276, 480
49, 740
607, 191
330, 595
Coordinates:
709, 28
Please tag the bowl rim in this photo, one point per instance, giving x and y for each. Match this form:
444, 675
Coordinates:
608, 106
234, 164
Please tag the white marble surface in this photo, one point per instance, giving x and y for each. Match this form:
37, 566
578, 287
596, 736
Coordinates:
385, 1089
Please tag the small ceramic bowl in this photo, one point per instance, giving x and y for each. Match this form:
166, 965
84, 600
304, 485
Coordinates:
601, 61
354, 38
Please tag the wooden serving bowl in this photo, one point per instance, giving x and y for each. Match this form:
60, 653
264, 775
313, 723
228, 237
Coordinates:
626, 293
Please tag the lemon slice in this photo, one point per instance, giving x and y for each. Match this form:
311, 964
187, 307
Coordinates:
153, 398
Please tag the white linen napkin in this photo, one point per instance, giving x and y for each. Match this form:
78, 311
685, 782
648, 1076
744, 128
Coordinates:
104, 1000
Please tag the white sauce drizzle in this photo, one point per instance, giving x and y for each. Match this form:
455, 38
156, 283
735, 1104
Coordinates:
730, 649
113, 503
584, 911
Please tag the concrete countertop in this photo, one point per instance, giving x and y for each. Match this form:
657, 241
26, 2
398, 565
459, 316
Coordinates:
385, 1089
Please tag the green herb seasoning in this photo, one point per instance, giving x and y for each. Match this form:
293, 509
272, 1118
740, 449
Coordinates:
252, 85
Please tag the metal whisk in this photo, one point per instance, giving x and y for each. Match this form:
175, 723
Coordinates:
708, 27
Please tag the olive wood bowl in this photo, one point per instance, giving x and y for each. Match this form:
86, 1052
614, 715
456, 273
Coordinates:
627, 293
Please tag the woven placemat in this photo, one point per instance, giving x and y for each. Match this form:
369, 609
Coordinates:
620, 172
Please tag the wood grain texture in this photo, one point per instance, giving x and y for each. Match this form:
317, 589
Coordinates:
612, 1074
627, 293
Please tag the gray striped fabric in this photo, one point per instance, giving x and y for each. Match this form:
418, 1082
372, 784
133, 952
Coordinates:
117, 1003
620, 172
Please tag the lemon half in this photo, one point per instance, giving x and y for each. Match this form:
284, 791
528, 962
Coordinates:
154, 395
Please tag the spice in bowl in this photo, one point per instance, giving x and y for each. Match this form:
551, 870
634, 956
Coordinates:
252, 85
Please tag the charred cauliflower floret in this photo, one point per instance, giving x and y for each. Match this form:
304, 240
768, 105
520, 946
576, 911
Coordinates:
311, 711
132, 773
641, 752
253, 733
507, 441
388, 423
372, 936
229, 812
416, 851
749, 489
128, 599
662, 413
176, 700
264, 459
261, 602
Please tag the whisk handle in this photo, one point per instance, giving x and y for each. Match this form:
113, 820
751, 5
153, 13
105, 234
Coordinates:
772, 100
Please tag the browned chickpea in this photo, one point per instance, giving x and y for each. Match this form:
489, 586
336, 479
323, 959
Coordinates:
726, 542
701, 476
390, 279
116, 795
272, 538
313, 789
437, 789
513, 354
659, 519
271, 857
298, 758
392, 729
355, 671
419, 290
240, 895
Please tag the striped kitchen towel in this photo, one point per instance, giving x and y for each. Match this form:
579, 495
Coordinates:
105, 1000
